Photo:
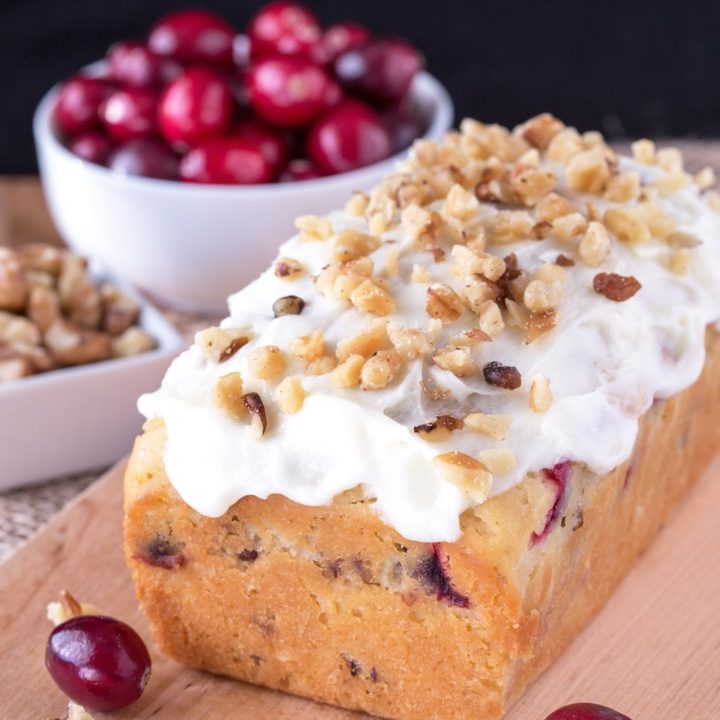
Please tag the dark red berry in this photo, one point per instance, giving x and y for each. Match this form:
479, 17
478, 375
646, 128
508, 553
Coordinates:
129, 114
269, 142
99, 662
299, 169
288, 91
146, 158
348, 137
195, 106
340, 38
558, 477
77, 107
193, 36
131, 63
586, 711
92, 146
226, 161
284, 28
404, 126
381, 71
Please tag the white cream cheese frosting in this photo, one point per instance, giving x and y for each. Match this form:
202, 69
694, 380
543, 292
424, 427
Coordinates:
606, 362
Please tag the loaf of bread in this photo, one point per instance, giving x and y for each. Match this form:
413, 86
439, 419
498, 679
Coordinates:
429, 442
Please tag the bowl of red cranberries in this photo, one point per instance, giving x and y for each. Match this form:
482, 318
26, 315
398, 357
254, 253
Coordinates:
180, 161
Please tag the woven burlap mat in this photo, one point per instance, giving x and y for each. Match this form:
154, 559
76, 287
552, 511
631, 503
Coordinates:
24, 512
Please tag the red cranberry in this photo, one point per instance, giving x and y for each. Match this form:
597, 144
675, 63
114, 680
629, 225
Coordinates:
92, 146
381, 71
333, 94
193, 36
348, 137
99, 662
145, 157
284, 28
131, 63
195, 106
77, 107
270, 143
299, 169
226, 161
288, 91
586, 711
130, 113
404, 126
340, 38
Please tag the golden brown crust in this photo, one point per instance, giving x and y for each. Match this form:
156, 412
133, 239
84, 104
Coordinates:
330, 603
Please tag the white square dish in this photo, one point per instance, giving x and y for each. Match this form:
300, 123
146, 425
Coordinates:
77, 418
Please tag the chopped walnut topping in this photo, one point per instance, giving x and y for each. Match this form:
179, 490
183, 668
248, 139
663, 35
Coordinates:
615, 287
290, 395
71, 344
658, 223
15, 328
443, 303
644, 151
554, 206
288, 268
503, 376
494, 426
623, 188
564, 261
540, 130
679, 261
308, 347
539, 324
490, 319
595, 245
371, 298
409, 343
460, 203
425, 152
357, 204
672, 182
347, 373
352, 244
627, 225
266, 362
392, 261
469, 262
587, 171
321, 366
509, 226
365, 343
705, 179
132, 342
542, 295
456, 360
229, 395
531, 185
254, 404
669, 159
564, 145
380, 370
466, 473
420, 274
418, 222
438, 430
470, 338
531, 158
569, 226
683, 240
314, 227
14, 287
475, 292
712, 198
541, 396
499, 461
517, 315
288, 305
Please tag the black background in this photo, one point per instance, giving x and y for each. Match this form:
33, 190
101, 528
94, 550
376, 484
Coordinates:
645, 68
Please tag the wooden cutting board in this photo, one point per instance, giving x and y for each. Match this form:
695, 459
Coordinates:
653, 652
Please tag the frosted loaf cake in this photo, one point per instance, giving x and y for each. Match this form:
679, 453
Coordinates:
428, 442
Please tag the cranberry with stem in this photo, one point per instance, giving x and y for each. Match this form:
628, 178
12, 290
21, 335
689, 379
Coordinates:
350, 136
93, 146
586, 711
226, 161
193, 37
146, 158
129, 114
284, 28
195, 106
97, 661
288, 91
77, 107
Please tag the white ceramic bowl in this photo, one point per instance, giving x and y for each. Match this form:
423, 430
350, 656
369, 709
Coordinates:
190, 246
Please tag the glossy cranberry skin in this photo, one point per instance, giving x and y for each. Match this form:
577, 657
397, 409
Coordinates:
381, 71
288, 91
145, 157
340, 38
226, 161
195, 106
586, 711
300, 169
270, 143
77, 107
193, 37
129, 114
284, 28
348, 137
403, 125
133, 64
93, 146
99, 662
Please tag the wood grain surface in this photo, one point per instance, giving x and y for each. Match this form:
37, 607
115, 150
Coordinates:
653, 652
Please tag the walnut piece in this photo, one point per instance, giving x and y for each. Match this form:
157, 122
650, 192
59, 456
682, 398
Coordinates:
380, 370
494, 426
290, 395
616, 287
439, 429
443, 303
466, 473
503, 376
288, 305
